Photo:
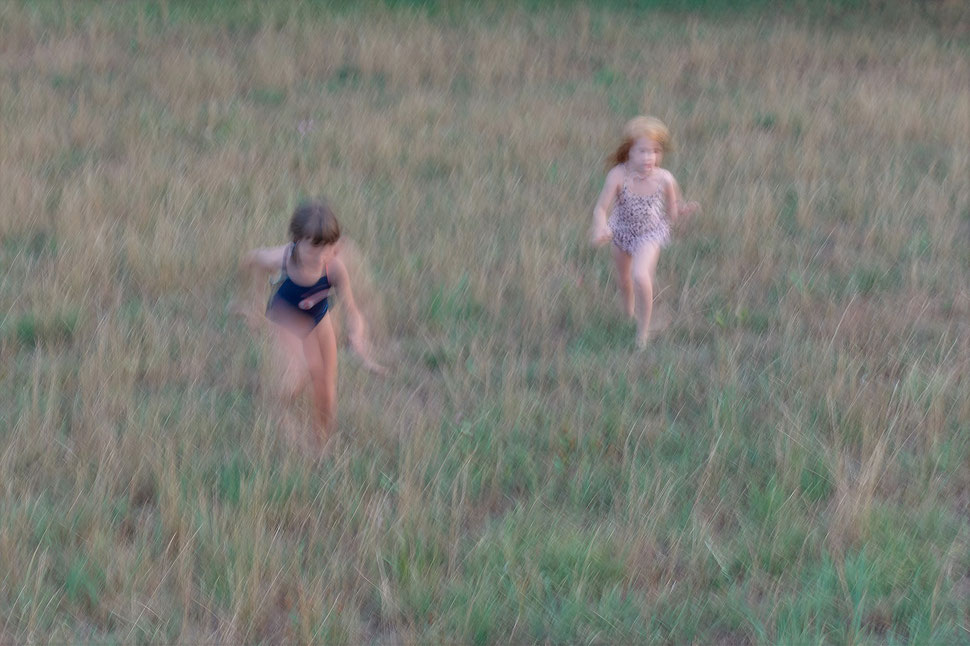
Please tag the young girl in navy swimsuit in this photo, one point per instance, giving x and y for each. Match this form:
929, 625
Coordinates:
310, 268
647, 202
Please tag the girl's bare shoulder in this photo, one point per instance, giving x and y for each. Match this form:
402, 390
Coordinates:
337, 271
614, 178
616, 173
667, 180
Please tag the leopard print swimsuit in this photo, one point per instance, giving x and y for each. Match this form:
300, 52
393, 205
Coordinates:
639, 219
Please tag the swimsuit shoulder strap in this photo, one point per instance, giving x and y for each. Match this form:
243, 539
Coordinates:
286, 253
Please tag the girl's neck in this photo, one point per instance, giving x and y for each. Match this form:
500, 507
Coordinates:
308, 265
641, 175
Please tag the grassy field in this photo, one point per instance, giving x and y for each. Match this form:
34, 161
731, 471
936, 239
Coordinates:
789, 462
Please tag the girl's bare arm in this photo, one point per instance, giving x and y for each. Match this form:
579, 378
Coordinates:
672, 198
599, 232
258, 263
356, 325
314, 298
677, 208
265, 260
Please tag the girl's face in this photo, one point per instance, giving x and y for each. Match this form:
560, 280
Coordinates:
645, 154
313, 254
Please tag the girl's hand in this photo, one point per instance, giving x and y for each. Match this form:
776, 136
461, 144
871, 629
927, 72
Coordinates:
360, 346
374, 367
251, 319
599, 235
310, 301
687, 209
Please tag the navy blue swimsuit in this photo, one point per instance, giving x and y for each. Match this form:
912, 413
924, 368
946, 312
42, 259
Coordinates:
285, 302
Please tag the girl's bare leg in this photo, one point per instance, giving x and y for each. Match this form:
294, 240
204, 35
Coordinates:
290, 367
623, 263
320, 349
644, 268
288, 377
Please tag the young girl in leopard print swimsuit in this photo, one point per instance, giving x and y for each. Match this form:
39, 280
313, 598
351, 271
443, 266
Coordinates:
647, 202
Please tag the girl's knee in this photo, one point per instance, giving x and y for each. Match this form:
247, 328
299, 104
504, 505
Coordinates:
325, 395
318, 375
643, 280
324, 380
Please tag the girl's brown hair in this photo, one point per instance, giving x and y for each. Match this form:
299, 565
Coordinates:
635, 128
314, 221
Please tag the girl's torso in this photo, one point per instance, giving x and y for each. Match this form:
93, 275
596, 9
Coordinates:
641, 198
640, 217
291, 290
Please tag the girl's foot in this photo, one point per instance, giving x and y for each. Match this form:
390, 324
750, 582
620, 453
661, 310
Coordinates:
660, 320
291, 428
318, 445
687, 209
642, 341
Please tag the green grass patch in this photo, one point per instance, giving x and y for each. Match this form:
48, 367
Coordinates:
32, 330
268, 97
522, 474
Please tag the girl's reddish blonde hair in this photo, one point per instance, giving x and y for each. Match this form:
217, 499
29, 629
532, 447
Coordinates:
637, 127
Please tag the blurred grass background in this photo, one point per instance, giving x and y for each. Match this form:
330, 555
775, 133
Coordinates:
789, 462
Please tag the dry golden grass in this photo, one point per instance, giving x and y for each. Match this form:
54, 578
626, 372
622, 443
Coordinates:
787, 463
